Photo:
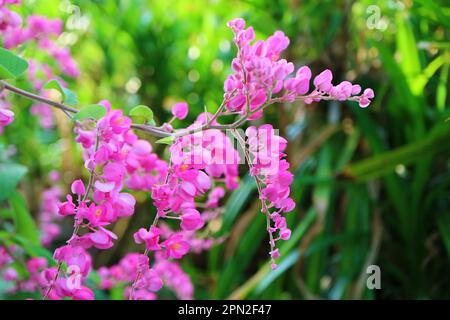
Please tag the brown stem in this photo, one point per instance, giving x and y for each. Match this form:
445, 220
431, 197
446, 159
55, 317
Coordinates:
67, 110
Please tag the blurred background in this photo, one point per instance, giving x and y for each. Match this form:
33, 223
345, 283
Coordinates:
372, 186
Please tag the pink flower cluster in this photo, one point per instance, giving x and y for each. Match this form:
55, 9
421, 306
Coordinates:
259, 73
175, 245
174, 277
196, 243
164, 271
8, 18
79, 264
40, 275
271, 170
32, 283
196, 161
40, 30
115, 157
5, 258
188, 189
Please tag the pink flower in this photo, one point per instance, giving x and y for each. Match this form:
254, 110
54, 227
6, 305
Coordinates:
302, 77
100, 215
86, 138
78, 187
106, 104
180, 110
35, 264
151, 238
10, 274
275, 254
237, 24
84, 293
187, 189
67, 208
124, 204
175, 246
342, 91
118, 122
174, 277
6, 117
191, 220
104, 187
364, 100
102, 238
114, 172
75, 256
151, 280
285, 233
323, 81
9, 19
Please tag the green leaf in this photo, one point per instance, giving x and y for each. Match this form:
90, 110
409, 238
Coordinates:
54, 84
143, 114
31, 249
285, 248
11, 65
384, 163
71, 97
443, 222
23, 222
237, 202
167, 140
10, 175
93, 111
441, 93
67, 96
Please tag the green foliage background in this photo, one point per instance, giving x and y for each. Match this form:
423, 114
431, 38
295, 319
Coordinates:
372, 186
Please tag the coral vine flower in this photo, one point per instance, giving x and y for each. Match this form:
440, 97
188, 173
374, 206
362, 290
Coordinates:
151, 280
102, 238
6, 117
84, 293
78, 187
74, 256
67, 208
151, 238
175, 246
191, 220
180, 110
99, 215
364, 100
258, 73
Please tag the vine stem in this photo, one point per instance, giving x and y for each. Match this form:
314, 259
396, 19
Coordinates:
259, 183
158, 132
68, 110
76, 223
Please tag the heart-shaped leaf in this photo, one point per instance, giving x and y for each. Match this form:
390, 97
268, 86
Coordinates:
71, 97
93, 111
54, 84
11, 65
143, 113
67, 96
